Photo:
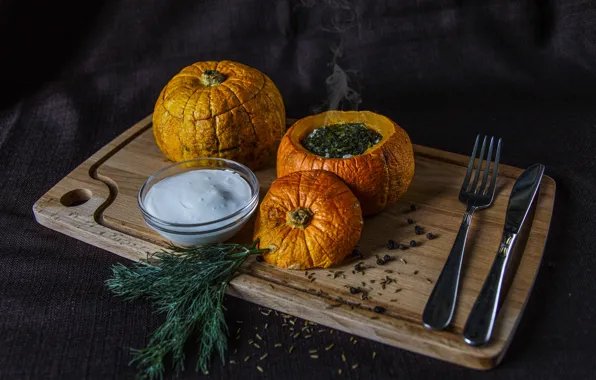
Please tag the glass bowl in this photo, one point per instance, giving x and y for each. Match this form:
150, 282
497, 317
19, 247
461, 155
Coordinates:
215, 231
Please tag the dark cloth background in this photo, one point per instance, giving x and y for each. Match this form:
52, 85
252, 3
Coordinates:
76, 76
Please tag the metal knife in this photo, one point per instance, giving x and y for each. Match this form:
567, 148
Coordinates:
481, 321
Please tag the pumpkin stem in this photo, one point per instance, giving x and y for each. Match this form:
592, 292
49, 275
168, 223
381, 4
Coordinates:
212, 78
300, 218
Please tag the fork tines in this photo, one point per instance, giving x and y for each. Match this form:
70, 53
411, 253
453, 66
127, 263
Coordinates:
482, 190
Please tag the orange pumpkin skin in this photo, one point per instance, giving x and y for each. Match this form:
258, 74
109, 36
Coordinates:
308, 219
220, 109
378, 177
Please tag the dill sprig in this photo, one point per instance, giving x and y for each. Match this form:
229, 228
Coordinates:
188, 285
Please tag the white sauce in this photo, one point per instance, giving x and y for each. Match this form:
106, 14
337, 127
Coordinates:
198, 196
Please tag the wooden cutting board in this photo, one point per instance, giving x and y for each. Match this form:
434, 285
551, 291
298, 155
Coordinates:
97, 203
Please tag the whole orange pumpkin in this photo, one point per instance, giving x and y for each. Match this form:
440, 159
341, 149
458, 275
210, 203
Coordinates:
308, 219
219, 109
378, 177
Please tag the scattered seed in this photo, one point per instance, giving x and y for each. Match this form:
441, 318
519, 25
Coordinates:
372, 281
430, 236
418, 230
354, 290
256, 345
410, 221
380, 261
312, 279
296, 335
314, 356
403, 247
358, 267
355, 366
292, 322
394, 300
337, 274
266, 325
307, 336
388, 271
272, 287
239, 329
397, 290
277, 345
329, 347
429, 281
232, 361
356, 253
379, 309
351, 338
306, 273
355, 341
263, 356
240, 322
343, 357
246, 358
265, 313
412, 243
291, 349
374, 317
259, 368
331, 331
320, 331
259, 337
237, 337
415, 272
339, 371
251, 341
374, 355
413, 207
403, 261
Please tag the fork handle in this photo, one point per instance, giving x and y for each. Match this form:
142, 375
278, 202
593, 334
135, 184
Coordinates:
480, 323
440, 306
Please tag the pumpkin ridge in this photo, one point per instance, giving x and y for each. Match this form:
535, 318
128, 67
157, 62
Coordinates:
282, 129
328, 236
323, 250
308, 251
228, 110
254, 131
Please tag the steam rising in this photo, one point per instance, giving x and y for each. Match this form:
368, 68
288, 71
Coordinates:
342, 85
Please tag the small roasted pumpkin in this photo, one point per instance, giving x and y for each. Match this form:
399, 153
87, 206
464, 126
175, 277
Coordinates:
378, 177
308, 219
219, 109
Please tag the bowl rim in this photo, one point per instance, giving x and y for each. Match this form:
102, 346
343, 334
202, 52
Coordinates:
247, 207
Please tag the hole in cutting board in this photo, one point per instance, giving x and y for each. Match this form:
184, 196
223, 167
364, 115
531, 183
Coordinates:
76, 197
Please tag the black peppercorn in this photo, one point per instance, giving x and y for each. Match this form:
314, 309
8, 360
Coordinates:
412, 243
430, 236
356, 253
391, 244
354, 290
419, 230
386, 258
358, 267
410, 221
413, 208
380, 261
379, 309
260, 258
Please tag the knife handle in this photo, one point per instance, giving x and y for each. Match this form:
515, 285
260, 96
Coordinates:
481, 321
440, 306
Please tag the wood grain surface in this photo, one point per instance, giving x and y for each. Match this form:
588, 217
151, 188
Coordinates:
97, 203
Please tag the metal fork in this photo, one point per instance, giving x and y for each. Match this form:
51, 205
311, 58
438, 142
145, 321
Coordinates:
440, 306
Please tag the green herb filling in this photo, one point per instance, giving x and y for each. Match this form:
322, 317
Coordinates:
341, 140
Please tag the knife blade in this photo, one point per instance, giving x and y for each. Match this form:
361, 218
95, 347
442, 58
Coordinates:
481, 321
